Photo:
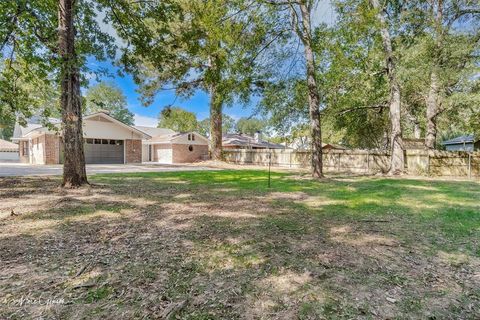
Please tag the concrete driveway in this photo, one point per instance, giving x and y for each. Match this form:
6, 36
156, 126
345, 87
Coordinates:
21, 169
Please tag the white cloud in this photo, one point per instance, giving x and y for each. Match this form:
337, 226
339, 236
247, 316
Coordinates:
110, 30
145, 121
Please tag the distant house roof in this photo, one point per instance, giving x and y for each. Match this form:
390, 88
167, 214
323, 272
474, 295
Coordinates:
333, 146
154, 131
243, 140
33, 123
8, 146
460, 140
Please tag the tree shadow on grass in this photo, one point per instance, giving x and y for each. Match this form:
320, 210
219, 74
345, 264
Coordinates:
234, 248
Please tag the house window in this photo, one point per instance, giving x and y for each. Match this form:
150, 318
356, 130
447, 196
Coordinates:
189, 137
97, 141
104, 141
119, 142
193, 137
25, 148
89, 141
190, 148
112, 142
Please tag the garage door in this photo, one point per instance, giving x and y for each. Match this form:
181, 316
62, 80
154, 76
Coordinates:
104, 151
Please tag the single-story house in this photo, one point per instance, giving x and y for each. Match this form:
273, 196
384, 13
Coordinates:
8, 151
174, 147
243, 141
107, 141
462, 143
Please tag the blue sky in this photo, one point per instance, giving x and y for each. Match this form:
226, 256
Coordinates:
199, 102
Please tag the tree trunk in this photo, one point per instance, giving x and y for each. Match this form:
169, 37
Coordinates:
74, 173
417, 132
397, 165
434, 90
215, 124
313, 95
432, 111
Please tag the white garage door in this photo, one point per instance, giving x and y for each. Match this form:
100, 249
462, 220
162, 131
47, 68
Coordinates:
164, 155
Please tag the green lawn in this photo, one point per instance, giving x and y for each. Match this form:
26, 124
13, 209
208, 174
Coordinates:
222, 245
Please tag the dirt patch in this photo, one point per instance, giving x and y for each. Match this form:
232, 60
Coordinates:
142, 247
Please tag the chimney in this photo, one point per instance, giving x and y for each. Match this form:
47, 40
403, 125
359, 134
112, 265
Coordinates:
258, 137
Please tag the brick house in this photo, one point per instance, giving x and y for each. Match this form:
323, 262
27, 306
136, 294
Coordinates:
175, 147
107, 140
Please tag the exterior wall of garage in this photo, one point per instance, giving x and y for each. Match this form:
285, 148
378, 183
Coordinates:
44, 149
23, 151
182, 154
133, 151
52, 149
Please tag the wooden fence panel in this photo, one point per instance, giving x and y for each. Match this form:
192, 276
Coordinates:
417, 162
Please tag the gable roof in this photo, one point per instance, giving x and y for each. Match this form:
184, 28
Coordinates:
171, 137
8, 146
120, 123
34, 125
470, 138
153, 132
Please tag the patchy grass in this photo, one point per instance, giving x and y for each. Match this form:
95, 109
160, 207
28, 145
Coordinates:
222, 245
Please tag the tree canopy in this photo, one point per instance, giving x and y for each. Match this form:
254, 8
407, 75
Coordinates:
106, 96
177, 119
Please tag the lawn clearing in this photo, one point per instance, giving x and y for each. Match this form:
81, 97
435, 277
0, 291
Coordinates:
221, 245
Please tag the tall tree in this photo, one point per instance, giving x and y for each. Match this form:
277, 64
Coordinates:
300, 14
177, 119
228, 124
250, 125
106, 96
53, 39
211, 45
449, 23
397, 165
74, 172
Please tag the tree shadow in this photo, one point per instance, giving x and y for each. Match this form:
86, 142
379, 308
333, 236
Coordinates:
232, 247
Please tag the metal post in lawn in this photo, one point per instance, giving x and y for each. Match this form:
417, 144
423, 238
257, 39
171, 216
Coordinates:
269, 165
469, 165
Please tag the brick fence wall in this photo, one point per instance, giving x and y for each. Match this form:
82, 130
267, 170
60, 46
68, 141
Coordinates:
417, 162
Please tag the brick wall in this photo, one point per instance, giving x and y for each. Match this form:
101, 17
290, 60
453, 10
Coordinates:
133, 151
23, 156
182, 154
52, 149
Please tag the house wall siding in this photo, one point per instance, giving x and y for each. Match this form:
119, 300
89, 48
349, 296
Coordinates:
133, 151
181, 153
